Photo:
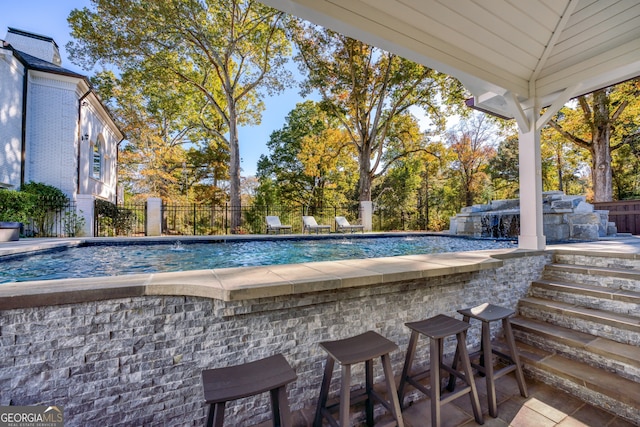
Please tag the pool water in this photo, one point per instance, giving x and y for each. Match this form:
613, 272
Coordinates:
112, 260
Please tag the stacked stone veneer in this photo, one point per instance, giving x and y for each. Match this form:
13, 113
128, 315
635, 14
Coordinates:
138, 361
564, 218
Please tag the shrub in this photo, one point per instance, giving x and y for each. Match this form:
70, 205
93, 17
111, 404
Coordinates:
15, 206
114, 221
47, 202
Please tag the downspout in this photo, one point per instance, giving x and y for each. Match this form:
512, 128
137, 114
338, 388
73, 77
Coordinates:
117, 160
23, 132
80, 139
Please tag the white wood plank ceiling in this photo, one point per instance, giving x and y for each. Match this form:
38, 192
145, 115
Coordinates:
501, 50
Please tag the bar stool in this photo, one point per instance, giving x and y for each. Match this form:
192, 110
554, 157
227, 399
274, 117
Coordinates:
360, 348
437, 328
488, 313
271, 374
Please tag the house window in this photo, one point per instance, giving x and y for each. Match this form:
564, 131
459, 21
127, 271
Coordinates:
96, 167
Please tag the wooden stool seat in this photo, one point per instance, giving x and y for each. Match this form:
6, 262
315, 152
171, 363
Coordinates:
437, 328
360, 348
271, 374
487, 313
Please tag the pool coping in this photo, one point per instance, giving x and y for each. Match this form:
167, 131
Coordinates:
236, 283
246, 283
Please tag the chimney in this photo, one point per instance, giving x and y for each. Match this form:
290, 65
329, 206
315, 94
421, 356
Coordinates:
41, 47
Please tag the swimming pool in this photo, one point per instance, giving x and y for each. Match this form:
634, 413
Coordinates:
100, 259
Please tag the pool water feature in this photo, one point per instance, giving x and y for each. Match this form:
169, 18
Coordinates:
95, 260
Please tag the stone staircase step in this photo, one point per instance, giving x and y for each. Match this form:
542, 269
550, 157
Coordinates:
592, 296
604, 260
614, 326
623, 359
598, 387
610, 277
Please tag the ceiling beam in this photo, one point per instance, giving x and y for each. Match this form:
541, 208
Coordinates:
562, 23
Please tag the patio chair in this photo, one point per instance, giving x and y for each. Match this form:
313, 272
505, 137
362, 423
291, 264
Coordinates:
309, 223
273, 224
343, 225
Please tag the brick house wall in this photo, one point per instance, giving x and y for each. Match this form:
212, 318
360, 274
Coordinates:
64, 119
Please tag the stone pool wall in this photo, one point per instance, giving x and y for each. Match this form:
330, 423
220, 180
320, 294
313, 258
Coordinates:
137, 360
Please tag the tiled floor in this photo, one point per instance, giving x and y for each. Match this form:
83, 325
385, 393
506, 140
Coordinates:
546, 406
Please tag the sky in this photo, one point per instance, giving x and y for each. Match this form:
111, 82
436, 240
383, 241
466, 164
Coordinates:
49, 18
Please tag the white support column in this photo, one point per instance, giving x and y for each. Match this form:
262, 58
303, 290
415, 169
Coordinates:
531, 225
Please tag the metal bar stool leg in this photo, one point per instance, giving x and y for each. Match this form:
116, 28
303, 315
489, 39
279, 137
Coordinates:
434, 380
508, 333
324, 391
281, 412
369, 388
216, 414
487, 363
408, 362
391, 390
345, 395
468, 373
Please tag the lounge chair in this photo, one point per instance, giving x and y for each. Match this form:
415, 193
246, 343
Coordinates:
343, 225
273, 224
309, 224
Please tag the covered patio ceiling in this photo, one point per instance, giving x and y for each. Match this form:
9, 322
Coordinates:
507, 53
514, 56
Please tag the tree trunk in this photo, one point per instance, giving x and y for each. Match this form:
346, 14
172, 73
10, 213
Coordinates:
234, 171
559, 166
600, 154
364, 182
468, 194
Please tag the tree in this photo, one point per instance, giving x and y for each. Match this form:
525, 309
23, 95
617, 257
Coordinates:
504, 169
231, 51
308, 155
367, 90
602, 122
472, 143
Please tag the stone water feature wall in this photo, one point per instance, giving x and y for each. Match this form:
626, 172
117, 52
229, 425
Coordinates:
564, 218
138, 360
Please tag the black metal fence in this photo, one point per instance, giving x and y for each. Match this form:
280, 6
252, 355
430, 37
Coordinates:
200, 220
204, 220
119, 220
53, 221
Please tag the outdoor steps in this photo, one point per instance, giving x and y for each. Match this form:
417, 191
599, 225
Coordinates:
628, 261
621, 359
617, 327
596, 386
579, 329
590, 296
623, 278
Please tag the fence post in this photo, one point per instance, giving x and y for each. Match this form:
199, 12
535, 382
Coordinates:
226, 218
366, 209
194, 219
154, 216
85, 208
